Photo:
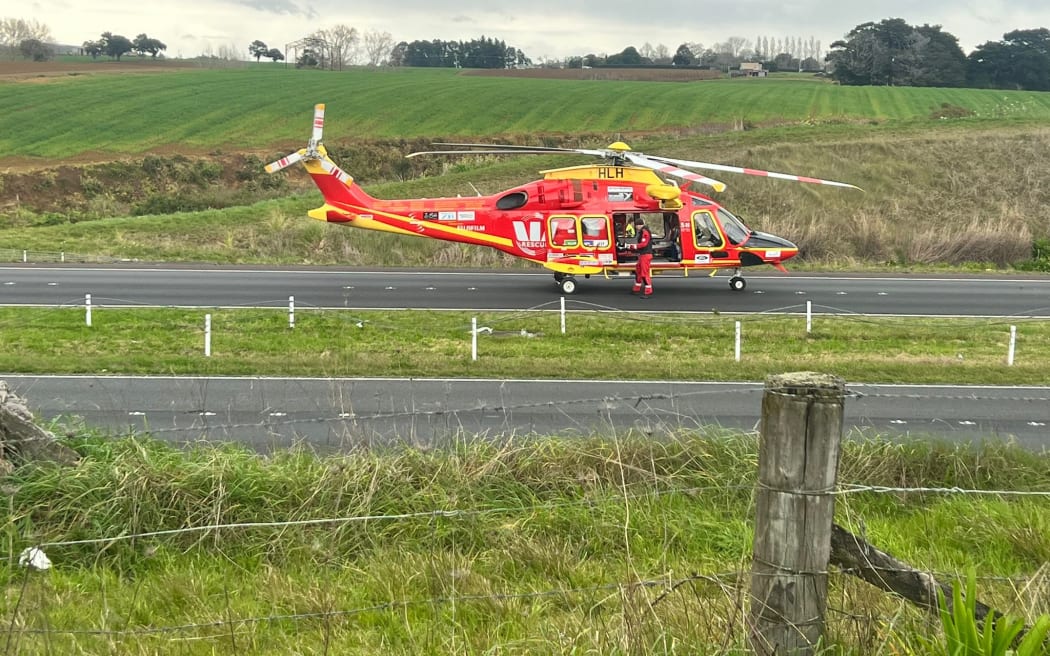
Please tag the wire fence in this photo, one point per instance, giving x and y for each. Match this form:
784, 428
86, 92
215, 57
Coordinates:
718, 595
49, 257
645, 600
704, 588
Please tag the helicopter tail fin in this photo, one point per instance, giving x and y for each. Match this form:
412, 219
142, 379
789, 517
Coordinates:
343, 197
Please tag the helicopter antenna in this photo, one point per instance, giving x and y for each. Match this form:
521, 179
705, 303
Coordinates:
474, 188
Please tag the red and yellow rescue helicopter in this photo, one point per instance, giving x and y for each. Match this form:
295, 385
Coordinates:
575, 221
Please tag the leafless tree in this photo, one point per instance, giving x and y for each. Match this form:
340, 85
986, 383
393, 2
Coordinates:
14, 31
341, 43
662, 55
377, 47
736, 44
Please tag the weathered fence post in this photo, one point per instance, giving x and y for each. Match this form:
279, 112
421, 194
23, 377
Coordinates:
797, 465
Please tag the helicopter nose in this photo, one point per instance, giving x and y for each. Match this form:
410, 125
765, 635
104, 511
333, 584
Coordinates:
766, 241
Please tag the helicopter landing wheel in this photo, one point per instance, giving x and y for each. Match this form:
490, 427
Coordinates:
558, 277
568, 285
737, 283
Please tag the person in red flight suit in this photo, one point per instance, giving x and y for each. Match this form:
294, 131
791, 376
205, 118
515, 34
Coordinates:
643, 280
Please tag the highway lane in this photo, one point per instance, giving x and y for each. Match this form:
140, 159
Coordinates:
343, 413
361, 289
338, 413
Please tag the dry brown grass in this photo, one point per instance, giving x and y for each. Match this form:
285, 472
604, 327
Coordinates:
949, 197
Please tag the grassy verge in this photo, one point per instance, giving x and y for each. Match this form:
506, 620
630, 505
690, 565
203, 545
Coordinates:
603, 545
520, 345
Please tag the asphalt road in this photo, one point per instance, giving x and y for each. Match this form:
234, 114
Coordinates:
339, 288
340, 413
345, 413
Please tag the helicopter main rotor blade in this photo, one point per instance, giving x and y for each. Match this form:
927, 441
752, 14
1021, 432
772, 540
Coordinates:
654, 163
487, 151
511, 147
746, 171
508, 149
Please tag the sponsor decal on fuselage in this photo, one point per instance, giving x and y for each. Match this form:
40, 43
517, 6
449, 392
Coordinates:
529, 234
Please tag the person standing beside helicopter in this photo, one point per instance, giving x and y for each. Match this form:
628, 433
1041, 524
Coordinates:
643, 281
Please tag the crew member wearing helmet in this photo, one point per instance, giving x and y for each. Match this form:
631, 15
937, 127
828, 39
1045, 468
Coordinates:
643, 281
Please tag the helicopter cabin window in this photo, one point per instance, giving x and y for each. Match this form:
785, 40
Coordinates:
562, 230
595, 231
705, 231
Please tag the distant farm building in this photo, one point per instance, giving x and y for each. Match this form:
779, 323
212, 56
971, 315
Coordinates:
752, 69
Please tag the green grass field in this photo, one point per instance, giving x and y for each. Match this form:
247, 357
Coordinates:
260, 107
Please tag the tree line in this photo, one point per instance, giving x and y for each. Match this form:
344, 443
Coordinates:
894, 53
889, 52
776, 54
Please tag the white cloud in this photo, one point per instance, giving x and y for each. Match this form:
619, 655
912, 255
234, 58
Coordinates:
542, 28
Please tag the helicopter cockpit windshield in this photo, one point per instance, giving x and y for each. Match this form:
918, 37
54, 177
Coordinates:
735, 230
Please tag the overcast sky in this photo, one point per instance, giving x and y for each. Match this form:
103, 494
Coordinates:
543, 29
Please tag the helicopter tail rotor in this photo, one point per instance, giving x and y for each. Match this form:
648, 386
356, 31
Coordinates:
285, 161
313, 148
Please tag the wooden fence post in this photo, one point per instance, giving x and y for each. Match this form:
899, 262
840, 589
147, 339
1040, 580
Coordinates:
797, 466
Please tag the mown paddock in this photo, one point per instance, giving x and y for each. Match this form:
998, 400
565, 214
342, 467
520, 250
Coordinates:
264, 107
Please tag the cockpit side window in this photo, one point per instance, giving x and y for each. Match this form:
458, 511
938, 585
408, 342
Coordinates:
705, 231
736, 232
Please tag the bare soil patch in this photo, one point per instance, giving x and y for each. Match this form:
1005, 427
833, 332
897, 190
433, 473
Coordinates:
27, 70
